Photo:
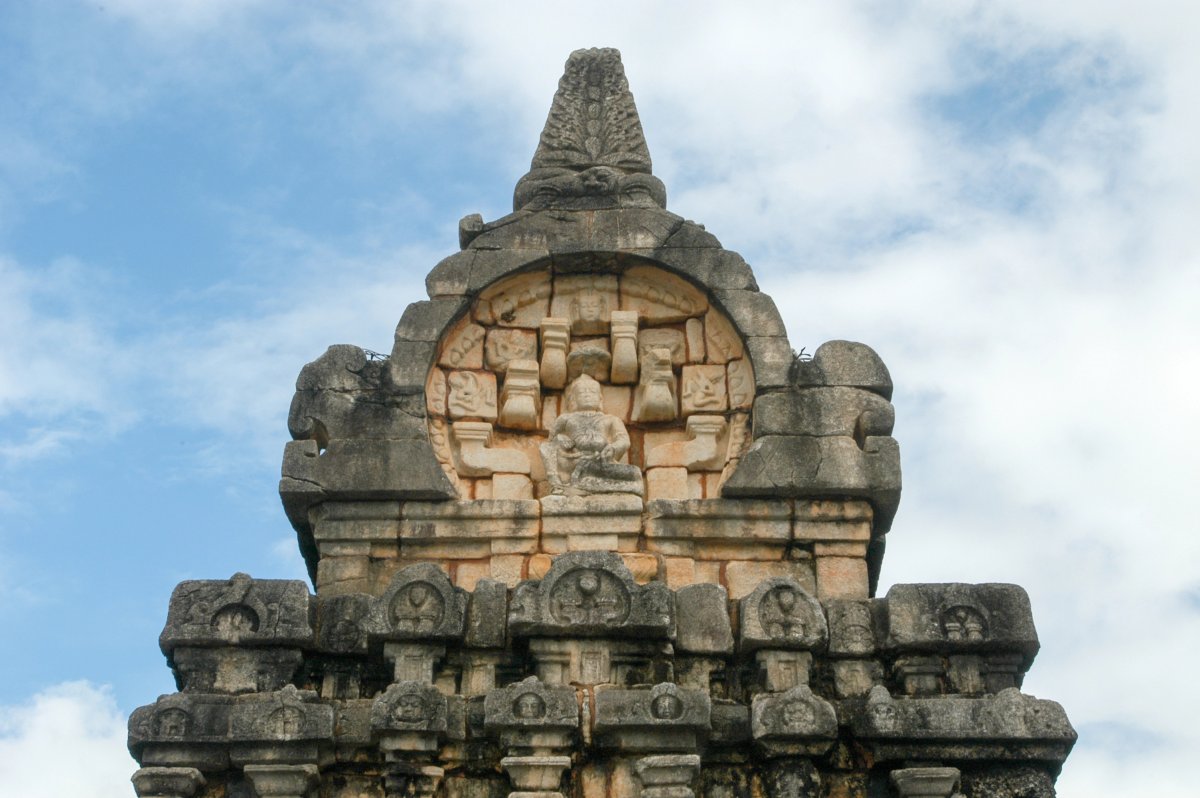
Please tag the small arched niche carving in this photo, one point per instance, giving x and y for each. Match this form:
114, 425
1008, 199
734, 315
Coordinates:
619, 381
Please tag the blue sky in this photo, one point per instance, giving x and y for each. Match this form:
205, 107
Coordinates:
196, 198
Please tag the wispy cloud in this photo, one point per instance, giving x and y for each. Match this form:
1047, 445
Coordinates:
77, 720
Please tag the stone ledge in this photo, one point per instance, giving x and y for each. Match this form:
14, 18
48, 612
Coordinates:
719, 528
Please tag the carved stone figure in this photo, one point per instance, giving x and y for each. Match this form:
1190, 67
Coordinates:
654, 399
585, 447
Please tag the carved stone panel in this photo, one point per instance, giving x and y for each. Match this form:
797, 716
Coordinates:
781, 614
420, 603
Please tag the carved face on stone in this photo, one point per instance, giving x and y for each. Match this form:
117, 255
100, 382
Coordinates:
173, 722
529, 706
884, 716
797, 714
410, 708
583, 395
589, 305
666, 707
235, 621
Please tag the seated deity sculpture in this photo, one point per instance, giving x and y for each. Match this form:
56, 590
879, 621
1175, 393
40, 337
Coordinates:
585, 446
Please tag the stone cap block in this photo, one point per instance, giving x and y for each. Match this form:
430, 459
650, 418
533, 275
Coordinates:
240, 611
846, 363
1009, 716
780, 614
156, 782
487, 615
804, 466
287, 715
410, 707
960, 618
591, 594
662, 717
851, 412
420, 603
342, 623
795, 722
702, 620
530, 705
853, 627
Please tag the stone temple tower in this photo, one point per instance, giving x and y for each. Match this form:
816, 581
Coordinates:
593, 530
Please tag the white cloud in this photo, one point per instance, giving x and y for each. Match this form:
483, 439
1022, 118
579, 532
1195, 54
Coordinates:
66, 740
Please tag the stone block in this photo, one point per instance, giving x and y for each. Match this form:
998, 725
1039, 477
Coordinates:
845, 363
451, 276
409, 363
667, 338
796, 722
771, 359
702, 451
370, 470
591, 593
751, 311
662, 718
474, 456
602, 522
694, 332
783, 670
624, 347
240, 611
521, 397
420, 603
468, 530
531, 715
851, 412
467, 574
644, 567
340, 575
487, 615
842, 577
742, 577
703, 390
739, 379
512, 486
813, 467
159, 782
427, 320
855, 677
852, 628
659, 296
925, 782
718, 528
506, 344
679, 572
462, 347
666, 483
587, 300
519, 301
959, 618
722, 341
833, 521
781, 614
472, 395
282, 781
702, 620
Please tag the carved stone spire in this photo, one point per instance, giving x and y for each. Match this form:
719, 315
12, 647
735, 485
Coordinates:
592, 153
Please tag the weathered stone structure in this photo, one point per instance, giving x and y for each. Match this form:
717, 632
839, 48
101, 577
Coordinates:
593, 529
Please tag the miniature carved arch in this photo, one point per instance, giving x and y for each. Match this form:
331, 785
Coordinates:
676, 385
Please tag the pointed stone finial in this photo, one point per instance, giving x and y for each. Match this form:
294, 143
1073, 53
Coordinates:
592, 153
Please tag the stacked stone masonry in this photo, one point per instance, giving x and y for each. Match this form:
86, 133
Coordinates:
593, 529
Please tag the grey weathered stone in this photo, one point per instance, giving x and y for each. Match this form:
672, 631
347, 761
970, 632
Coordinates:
233, 669
342, 623
410, 707
365, 469
282, 781
664, 717
1008, 725
814, 467
925, 782
1005, 781
427, 320
238, 611
588, 594
419, 604
780, 614
408, 365
752, 312
795, 722
487, 615
284, 716
530, 714
772, 358
167, 782
845, 363
851, 412
959, 618
851, 627
702, 620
